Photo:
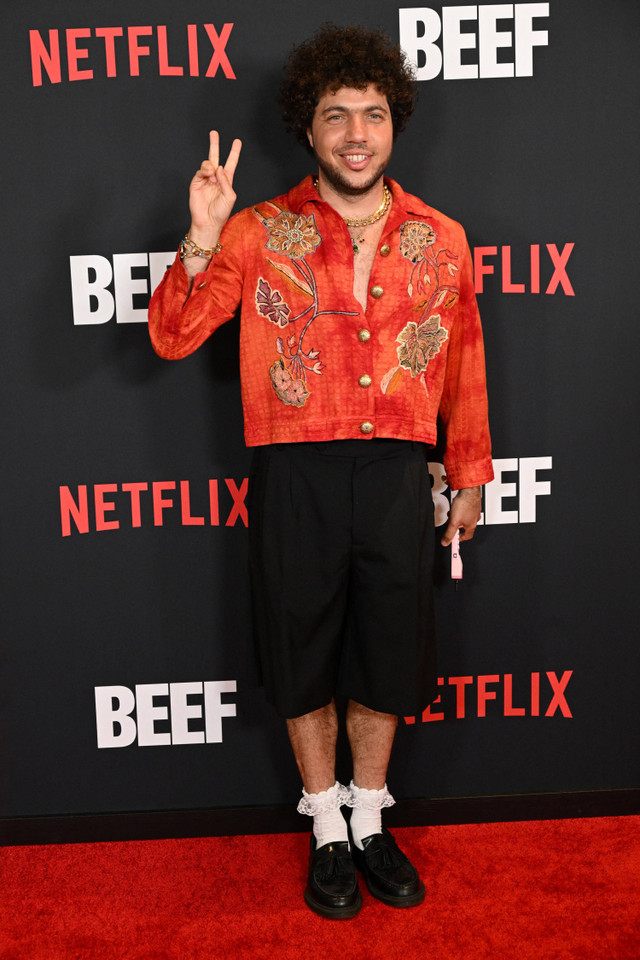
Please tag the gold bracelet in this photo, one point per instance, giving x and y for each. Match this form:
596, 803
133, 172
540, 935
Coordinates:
190, 249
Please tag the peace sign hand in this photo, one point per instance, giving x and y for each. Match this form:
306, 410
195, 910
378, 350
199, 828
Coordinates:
211, 195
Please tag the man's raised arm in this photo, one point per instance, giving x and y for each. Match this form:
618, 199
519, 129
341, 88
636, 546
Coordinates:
180, 321
211, 200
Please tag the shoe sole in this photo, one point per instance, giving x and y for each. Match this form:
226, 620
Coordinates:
409, 901
333, 913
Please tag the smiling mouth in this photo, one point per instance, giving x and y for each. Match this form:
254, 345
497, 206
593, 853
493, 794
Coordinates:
356, 161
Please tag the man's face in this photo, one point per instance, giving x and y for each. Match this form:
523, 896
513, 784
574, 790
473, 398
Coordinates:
352, 136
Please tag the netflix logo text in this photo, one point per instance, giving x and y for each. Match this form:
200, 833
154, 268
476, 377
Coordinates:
493, 694
116, 505
486, 262
84, 53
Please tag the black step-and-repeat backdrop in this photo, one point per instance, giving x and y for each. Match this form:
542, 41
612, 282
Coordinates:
126, 625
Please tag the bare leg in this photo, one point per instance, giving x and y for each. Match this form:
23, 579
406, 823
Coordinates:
371, 737
313, 739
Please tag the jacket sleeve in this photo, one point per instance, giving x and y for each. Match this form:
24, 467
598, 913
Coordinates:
464, 406
177, 325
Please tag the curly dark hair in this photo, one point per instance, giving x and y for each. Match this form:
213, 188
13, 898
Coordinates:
345, 57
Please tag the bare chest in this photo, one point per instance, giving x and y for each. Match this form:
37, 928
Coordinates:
367, 240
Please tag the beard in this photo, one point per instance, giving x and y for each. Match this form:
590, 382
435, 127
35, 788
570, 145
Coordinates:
340, 182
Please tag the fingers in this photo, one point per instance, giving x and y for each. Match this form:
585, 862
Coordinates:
211, 196
232, 159
449, 534
214, 149
463, 516
224, 183
206, 171
466, 533
214, 156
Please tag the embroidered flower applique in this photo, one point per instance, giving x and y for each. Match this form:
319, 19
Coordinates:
290, 391
415, 237
293, 236
271, 305
431, 280
419, 343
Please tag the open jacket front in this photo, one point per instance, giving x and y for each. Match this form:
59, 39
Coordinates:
314, 364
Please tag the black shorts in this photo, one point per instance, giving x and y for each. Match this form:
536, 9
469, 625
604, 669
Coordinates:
341, 540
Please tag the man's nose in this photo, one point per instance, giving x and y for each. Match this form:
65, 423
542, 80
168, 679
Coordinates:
356, 129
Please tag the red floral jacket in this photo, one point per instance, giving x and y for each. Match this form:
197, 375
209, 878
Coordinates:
316, 366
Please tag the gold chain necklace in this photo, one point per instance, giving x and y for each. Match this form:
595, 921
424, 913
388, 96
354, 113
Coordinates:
376, 215
366, 221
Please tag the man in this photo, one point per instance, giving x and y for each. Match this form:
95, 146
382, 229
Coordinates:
359, 327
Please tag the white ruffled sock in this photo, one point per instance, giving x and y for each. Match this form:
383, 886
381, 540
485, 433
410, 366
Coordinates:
329, 826
366, 815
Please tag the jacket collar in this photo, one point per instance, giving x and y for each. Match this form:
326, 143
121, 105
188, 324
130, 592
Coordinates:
404, 204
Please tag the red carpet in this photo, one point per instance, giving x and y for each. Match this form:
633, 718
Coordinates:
542, 890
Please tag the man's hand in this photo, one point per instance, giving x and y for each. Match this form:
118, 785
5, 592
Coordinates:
211, 196
464, 514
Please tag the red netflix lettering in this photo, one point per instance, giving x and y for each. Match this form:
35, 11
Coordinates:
135, 489
214, 505
483, 267
101, 507
484, 694
41, 57
109, 34
559, 261
163, 56
507, 286
136, 504
73, 55
192, 40
69, 510
459, 683
219, 58
535, 268
46, 56
159, 502
535, 694
509, 709
239, 508
135, 49
559, 686
480, 268
187, 519
427, 714
455, 705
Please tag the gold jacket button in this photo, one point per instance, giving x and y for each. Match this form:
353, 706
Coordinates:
376, 292
364, 335
364, 380
385, 250
366, 427
201, 285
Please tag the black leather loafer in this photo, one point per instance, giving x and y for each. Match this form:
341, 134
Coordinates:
332, 887
390, 875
